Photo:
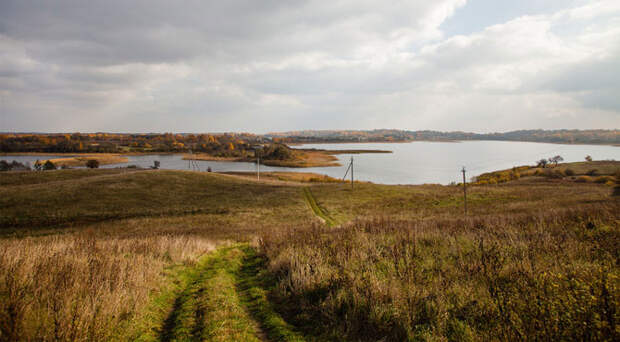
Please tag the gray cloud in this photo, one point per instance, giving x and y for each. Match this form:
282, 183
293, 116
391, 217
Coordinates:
276, 65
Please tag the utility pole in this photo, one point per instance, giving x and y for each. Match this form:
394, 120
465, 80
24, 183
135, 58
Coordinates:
464, 189
351, 173
257, 165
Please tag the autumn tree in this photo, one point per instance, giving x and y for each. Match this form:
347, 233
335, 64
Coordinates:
92, 164
49, 166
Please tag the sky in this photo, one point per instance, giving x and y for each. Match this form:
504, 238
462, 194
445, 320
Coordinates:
265, 66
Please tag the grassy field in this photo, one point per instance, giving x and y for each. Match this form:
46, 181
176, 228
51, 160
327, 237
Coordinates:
82, 159
300, 158
153, 255
581, 172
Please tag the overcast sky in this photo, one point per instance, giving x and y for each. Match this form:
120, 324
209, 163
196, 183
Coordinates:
260, 66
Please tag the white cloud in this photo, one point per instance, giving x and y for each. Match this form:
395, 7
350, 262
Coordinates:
218, 66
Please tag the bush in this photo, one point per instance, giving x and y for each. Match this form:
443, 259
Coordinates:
603, 179
92, 164
49, 166
583, 179
15, 166
553, 173
277, 152
569, 172
593, 172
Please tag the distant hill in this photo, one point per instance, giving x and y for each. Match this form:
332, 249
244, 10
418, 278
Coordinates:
563, 136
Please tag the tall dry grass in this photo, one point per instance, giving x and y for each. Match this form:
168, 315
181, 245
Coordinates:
550, 274
83, 287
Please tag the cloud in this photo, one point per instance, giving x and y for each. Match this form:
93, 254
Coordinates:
271, 65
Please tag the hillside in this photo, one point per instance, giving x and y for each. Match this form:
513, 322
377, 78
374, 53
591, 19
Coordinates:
598, 136
158, 255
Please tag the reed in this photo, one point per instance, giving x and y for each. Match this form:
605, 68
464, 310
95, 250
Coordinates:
84, 286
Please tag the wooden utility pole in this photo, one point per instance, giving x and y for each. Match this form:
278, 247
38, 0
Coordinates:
351, 173
257, 164
464, 189
347, 173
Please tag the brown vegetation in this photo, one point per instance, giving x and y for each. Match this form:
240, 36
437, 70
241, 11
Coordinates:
303, 177
549, 275
82, 160
577, 172
92, 254
84, 287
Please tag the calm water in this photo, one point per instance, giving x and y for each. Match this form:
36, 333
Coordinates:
411, 163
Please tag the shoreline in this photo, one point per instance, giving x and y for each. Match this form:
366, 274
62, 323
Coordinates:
450, 141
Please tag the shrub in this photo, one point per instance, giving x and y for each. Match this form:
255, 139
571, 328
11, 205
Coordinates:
553, 173
569, 172
603, 179
15, 166
593, 172
49, 166
92, 164
277, 152
583, 179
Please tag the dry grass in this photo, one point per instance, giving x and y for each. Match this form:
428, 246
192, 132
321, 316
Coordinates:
144, 194
18, 178
301, 177
550, 274
81, 160
84, 287
206, 156
534, 259
301, 158
305, 159
564, 171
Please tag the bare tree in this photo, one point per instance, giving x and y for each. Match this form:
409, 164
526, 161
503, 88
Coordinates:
542, 163
555, 160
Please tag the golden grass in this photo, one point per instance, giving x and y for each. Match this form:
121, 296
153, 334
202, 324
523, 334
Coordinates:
208, 157
81, 160
84, 286
90, 249
564, 171
302, 177
305, 159
301, 158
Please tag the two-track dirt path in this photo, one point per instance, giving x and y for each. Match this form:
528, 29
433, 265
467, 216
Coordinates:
320, 212
224, 298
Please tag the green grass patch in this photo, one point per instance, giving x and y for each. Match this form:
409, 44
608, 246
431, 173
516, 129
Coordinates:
318, 211
222, 298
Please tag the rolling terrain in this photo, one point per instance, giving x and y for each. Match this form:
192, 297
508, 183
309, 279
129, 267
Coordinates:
153, 255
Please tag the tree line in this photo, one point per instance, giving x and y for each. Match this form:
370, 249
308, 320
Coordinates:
221, 145
594, 136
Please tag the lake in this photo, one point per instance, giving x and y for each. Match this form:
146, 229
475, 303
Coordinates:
411, 163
